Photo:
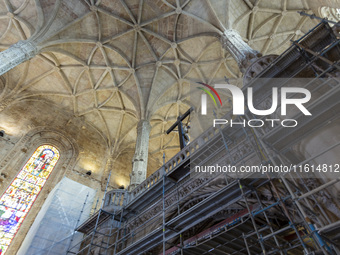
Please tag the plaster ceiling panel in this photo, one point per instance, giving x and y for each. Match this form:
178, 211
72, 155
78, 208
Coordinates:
85, 102
171, 2
170, 54
264, 24
133, 7
85, 28
192, 49
212, 52
124, 43
72, 75
193, 75
189, 26
204, 10
154, 9
3, 8
103, 97
157, 128
165, 27
36, 71
210, 71
72, 9
144, 53
298, 4
58, 58
162, 81
116, 8
128, 104
145, 76
220, 8
114, 58
97, 121
80, 51
52, 83
121, 76
166, 97
114, 122
103, 79
127, 131
10, 34
184, 68
98, 75
112, 101
98, 57
290, 20
280, 42
27, 12
224, 70
63, 102
171, 68
159, 46
83, 83
272, 4
238, 10
110, 26
13, 78
130, 89
4, 25
131, 133
63, 13
307, 25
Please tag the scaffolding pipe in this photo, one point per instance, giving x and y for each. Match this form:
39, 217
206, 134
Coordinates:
312, 16
98, 217
319, 188
330, 226
279, 197
81, 212
252, 219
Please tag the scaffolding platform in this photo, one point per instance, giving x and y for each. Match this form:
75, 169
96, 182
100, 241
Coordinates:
97, 218
180, 213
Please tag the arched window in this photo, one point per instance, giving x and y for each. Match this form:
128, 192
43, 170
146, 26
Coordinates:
19, 197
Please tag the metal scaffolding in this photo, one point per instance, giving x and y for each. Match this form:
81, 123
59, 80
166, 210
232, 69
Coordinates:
177, 211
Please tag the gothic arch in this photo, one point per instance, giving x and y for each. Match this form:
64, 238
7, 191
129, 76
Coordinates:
22, 151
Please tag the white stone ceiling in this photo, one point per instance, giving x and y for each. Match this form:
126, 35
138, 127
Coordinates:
110, 63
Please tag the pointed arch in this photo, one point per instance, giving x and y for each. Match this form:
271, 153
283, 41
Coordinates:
21, 194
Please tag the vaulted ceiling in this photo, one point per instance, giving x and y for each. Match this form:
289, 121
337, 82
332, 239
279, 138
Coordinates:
107, 64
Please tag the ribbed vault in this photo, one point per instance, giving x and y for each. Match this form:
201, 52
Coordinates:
113, 63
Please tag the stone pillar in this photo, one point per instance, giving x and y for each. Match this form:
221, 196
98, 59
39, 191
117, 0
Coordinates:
16, 54
239, 50
140, 159
107, 170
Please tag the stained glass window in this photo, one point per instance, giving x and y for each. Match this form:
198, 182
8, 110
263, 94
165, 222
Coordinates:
19, 197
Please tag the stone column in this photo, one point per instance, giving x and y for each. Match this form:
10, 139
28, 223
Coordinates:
239, 50
107, 170
140, 159
16, 54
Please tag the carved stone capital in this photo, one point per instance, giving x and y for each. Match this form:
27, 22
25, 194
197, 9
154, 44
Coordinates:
243, 54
